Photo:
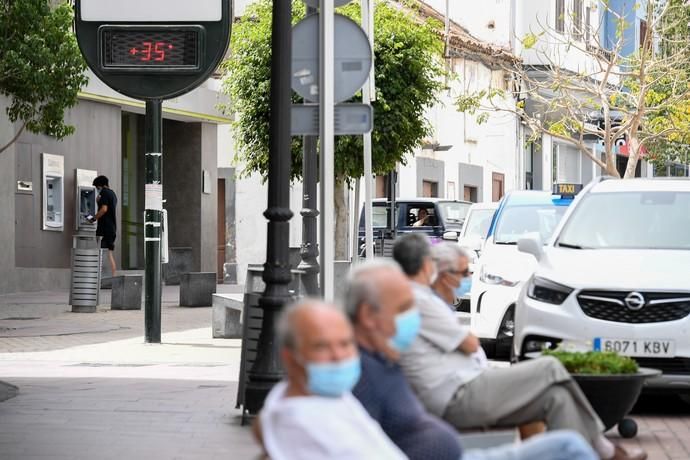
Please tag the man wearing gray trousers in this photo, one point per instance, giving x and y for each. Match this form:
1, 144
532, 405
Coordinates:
452, 383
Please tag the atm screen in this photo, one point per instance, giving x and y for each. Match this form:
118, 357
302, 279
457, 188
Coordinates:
150, 48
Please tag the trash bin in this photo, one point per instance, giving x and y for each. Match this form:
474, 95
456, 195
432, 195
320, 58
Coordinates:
86, 274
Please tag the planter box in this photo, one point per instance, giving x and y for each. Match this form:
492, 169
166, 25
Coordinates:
613, 396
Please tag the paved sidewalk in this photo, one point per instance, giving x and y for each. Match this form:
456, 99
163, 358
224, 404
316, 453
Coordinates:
89, 388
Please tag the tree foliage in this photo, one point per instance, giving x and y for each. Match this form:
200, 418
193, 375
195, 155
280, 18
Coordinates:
41, 68
408, 68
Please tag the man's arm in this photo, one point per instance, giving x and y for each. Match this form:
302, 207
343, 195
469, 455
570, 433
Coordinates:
441, 327
470, 344
101, 212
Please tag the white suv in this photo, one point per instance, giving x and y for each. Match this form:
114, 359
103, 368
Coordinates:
615, 276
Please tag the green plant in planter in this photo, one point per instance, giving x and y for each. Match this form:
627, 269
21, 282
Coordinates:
594, 362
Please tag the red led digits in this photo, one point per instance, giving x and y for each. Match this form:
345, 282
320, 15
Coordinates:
151, 51
146, 52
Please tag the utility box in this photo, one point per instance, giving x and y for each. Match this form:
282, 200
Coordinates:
85, 285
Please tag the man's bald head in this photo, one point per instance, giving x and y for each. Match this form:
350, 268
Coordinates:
312, 331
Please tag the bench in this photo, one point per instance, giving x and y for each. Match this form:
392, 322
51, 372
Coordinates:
487, 439
226, 316
126, 292
197, 289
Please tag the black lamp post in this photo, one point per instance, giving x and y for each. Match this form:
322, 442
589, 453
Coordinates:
310, 174
266, 370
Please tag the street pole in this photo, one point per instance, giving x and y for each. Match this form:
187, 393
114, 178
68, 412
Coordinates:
310, 212
367, 96
266, 370
327, 133
153, 219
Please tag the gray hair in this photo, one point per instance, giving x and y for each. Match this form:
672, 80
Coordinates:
445, 254
362, 287
285, 327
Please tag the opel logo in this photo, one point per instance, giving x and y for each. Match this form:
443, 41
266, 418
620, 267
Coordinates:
634, 301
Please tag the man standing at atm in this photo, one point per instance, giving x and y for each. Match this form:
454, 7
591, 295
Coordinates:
106, 217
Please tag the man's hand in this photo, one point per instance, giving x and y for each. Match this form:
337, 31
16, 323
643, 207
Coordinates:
470, 344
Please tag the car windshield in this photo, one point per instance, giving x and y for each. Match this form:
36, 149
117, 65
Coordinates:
629, 220
478, 223
379, 217
453, 212
516, 221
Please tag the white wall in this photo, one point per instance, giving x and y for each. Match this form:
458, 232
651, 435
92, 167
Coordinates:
250, 203
487, 20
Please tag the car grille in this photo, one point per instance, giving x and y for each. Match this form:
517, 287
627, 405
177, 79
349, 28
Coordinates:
666, 365
658, 307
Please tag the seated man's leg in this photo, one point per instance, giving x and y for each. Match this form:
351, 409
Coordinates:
557, 445
538, 390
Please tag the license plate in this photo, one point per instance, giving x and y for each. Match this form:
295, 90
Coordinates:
640, 348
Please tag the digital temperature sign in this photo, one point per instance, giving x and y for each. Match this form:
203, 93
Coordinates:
151, 49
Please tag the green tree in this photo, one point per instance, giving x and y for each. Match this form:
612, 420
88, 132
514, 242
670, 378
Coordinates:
408, 68
41, 68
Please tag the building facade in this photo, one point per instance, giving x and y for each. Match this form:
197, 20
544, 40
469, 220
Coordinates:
109, 140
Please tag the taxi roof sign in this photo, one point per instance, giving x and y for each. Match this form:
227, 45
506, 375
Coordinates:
566, 190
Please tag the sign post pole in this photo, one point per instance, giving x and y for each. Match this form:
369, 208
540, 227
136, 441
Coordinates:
153, 219
153, 51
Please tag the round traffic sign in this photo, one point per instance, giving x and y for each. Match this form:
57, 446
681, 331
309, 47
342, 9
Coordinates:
353, 58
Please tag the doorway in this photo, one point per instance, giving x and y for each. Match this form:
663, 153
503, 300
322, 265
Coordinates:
470, 194
222, 237
498, 186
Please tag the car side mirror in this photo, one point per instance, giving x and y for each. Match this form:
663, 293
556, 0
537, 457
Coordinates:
450, 236
531, 244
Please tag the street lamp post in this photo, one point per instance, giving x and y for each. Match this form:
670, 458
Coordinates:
310, 249
266, 370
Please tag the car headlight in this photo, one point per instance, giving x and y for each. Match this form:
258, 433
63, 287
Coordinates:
547, 291
491, 278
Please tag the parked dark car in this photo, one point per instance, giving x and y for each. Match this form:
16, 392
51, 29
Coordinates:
432, 216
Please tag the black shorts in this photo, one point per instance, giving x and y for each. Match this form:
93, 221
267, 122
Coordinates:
108, 242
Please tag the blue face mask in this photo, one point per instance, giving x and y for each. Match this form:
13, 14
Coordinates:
407, 326
465, 287
333, 379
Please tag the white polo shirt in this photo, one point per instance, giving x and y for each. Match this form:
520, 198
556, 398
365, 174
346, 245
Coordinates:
315, 427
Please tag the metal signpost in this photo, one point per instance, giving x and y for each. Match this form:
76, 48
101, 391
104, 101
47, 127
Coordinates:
153, 50
329, 70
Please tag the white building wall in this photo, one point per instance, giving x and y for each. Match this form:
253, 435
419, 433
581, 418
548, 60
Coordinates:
251, 198
492, 145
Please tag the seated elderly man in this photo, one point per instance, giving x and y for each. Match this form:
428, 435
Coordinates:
454, 386
312, 414
379, 301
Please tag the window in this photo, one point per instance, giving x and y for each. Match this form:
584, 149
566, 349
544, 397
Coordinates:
560, 16
429, 189
588, 25
578, 29
381, 189
643, 33
529, 167
567, 164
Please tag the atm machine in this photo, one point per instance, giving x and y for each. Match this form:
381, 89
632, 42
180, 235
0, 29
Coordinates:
85, 205
53, 185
